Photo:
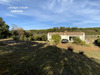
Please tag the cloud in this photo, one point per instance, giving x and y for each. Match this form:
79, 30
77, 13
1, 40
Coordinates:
62, 11
57, 6
4, 2
71, 10
7, 2
57, 11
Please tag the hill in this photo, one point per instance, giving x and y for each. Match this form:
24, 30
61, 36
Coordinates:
88, 31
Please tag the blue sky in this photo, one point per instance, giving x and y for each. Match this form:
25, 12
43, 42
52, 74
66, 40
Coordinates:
44, 14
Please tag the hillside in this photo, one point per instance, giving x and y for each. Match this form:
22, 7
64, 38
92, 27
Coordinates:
88, 31
38, 58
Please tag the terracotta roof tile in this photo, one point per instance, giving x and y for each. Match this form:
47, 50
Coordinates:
67, 33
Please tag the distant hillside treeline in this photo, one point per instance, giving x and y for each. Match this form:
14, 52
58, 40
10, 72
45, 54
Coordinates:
88, 31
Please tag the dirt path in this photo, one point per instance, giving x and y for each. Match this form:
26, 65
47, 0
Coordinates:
5, 39
79, 47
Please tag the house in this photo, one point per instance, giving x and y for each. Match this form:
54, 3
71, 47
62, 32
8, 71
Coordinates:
67, 35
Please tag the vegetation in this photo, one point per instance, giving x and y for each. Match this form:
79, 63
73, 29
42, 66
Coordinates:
70, 49
77, 40
44, 37
56, 38
81, 52
88, 31
15, 38
30, 38
97, 42
32, 58
4, 29
35, 37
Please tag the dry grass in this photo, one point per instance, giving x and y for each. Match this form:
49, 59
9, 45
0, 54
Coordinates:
39, 58
90, 51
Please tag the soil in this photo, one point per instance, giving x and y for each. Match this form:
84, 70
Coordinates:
78, 47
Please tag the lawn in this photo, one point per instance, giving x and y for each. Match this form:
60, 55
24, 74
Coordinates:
39, 58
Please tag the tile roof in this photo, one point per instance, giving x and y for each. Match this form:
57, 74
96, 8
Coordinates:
66, 33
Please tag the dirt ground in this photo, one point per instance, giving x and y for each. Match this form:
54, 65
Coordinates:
90, 51
39, 58
79, 47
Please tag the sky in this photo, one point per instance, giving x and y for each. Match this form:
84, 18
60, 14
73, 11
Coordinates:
44, 14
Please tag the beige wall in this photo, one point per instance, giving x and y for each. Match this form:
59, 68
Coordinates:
82, 37
64, 37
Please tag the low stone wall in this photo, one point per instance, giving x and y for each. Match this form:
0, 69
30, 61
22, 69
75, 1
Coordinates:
91, 38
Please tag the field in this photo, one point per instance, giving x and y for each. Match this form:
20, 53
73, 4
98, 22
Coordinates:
40, 58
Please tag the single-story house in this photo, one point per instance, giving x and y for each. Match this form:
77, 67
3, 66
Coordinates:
67, 35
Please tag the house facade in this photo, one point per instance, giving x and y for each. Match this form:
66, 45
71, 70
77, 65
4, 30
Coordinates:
67, 35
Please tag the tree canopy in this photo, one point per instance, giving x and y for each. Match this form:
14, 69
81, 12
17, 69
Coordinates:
4, 29
88, 31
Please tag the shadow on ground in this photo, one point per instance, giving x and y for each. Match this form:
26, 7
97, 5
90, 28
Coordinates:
32, 58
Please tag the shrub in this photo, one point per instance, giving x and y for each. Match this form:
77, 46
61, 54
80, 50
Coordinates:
2, 44
39, 38
77, 40
83, 43
70, 49
81, 52
36, 37
97, 42
56, 38
21, 38
30, 38
25, 38
44, 37
15, 38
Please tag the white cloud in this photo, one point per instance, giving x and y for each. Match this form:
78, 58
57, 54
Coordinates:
57, 11
10, 15
4, 2
7, 2
71, 10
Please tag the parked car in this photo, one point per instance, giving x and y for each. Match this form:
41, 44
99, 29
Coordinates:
64, 41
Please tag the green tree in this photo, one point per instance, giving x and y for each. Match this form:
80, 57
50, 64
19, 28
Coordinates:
56, 38
4, 29
44, 37
97, 42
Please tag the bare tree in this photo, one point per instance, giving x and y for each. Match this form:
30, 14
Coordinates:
20, 31
14, 28
17, 30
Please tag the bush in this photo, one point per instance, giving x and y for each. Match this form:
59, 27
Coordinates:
70, 49
97, 42
81, 52
2, 44
44, 37
36, 37
25, 38
79, 41
21, 38
83, 43
30, 38
15, 38
56, 38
